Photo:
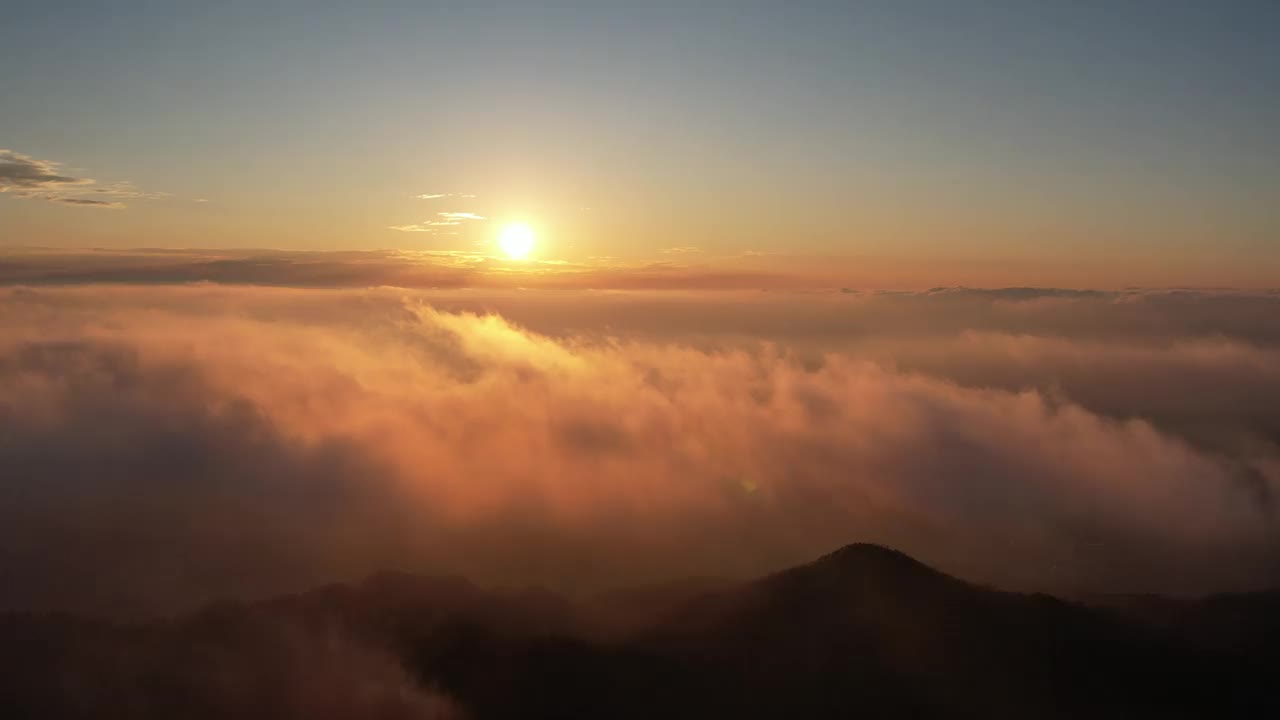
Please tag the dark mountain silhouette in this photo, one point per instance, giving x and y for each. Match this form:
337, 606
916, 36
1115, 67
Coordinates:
864, 631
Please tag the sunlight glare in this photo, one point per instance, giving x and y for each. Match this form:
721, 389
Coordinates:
516, 240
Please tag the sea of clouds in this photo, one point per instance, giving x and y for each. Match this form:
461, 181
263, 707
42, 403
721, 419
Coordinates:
162, 446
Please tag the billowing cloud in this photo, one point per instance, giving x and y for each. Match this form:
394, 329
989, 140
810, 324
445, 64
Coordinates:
26, 177
175, 444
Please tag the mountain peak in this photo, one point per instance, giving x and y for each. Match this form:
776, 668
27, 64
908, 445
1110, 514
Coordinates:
871, 557
861, 573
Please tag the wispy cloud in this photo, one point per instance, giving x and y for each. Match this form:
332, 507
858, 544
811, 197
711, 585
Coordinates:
33, 179
451, 219
431, 226
683, 250
434, 196
128, 190
418, 227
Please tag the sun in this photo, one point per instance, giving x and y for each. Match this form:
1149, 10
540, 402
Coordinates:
516, 240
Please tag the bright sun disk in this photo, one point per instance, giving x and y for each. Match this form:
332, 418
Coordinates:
516, 240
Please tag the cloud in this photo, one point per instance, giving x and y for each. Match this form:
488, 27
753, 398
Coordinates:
228, 661
358, 269
683, 250
435, 196
431, 227
88, 202
128, 190
451, 219
1139, 313
26, 177
268, 267
176, 444
22, 172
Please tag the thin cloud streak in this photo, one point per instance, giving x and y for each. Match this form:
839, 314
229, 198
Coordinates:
87, 202
451, 219
432, 226
391, 267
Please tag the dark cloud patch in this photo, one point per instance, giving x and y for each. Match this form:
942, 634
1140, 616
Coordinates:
87, 202
27, 177
278, 268
823, 311
418, 270
26, 173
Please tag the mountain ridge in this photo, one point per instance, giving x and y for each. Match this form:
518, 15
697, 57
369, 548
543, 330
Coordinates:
864, 629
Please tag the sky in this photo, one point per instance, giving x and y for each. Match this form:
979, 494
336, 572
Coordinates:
996, 284
881, 144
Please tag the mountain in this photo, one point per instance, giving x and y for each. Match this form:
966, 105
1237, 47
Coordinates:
864, 631
868, 629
